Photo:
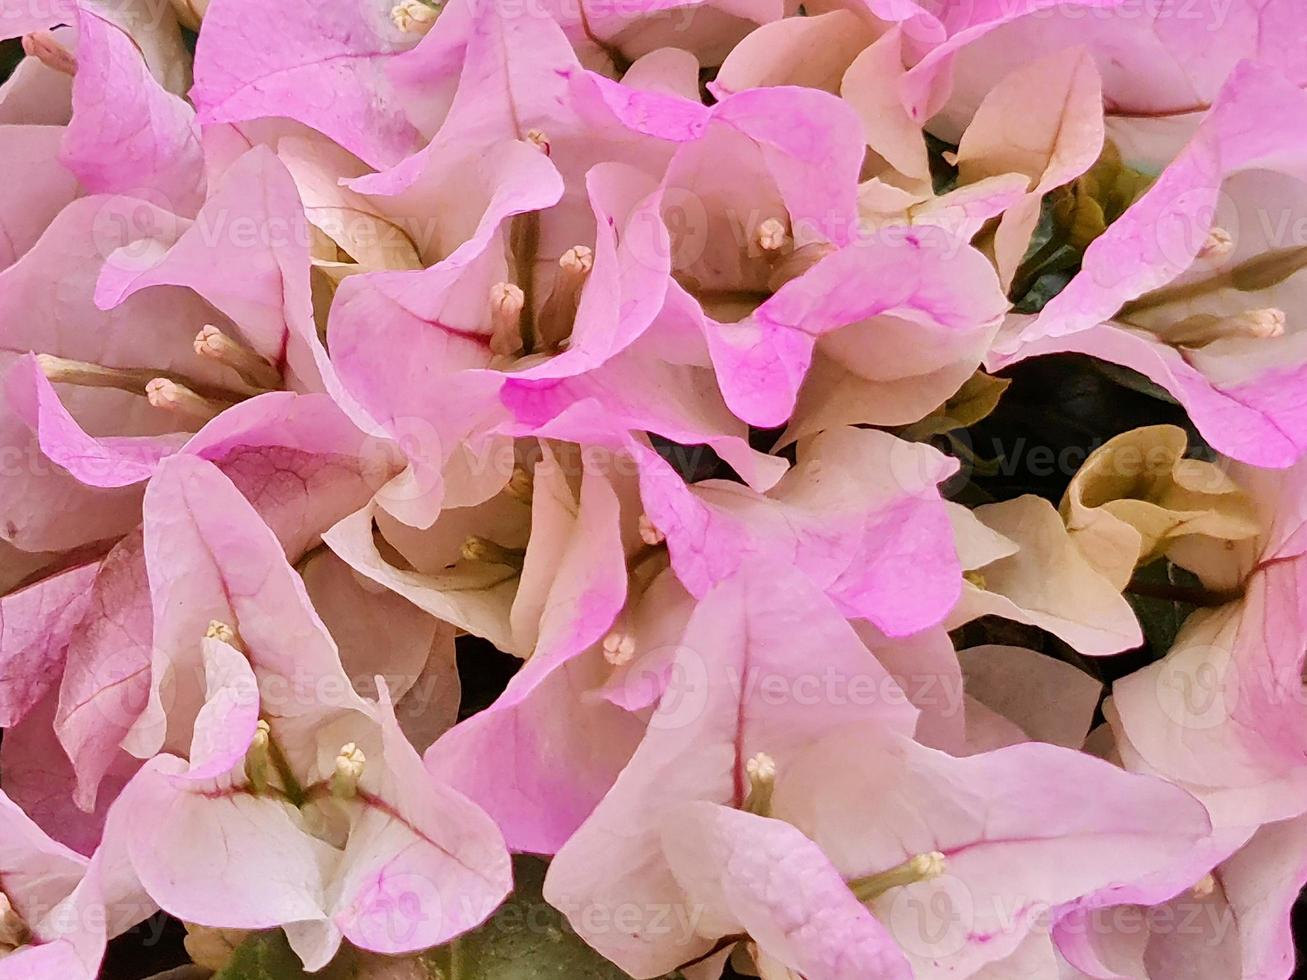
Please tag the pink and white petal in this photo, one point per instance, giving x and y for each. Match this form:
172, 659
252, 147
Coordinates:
211, 558
34, 189
1050, 700
36, 626
423, 863
128, 134
326, 69
1021, 828
106, 680
918, 272
763, 878
560, 748
248, 255
745, 679
195, 851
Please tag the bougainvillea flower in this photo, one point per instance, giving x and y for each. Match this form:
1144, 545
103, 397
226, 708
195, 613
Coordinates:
855, 515
57, 908
635, 848
1137, 497
1162, 68
151, 336
1233, 923
302, 464
628, 394
358, 830
264, 286
1008, 856
1189, 286
740, 693
573, 586
1220, 713
453, 428
918, 275
1022, 564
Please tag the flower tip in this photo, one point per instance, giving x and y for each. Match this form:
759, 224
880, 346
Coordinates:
350, 762
1267, 323
221, 631
506, 304
1205, 886
649, 534
1218, 244
761, 768
619, 648
538, 139
577, 260
928, 866
414, 16
771, 235
45, 48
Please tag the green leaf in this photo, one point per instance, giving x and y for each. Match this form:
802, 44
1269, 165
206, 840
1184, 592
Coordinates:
1070, 218
526, 939
1161, 619
943, 174
976, 399
267, 956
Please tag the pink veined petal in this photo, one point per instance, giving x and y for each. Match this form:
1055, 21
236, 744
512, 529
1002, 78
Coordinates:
34, 187
324, 68
128, 134
761, 632
423, 863
211, 557
567, 744
36, 626
762, 877
106, 680
40, 778
1021, 828
247, 254
920, 272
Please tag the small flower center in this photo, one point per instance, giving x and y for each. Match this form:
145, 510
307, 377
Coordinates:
1218, 244
761, 772
349, 770
415, 16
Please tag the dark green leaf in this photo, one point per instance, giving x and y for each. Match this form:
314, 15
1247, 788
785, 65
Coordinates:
525, 940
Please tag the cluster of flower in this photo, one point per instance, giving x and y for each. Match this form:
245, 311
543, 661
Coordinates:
641, 340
